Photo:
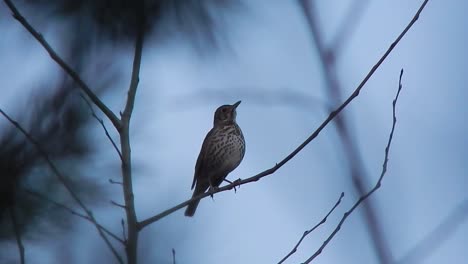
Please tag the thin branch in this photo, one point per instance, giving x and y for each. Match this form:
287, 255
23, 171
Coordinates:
73, 212
115, 182
330, 117
377, 185
17, 231
306, 233
122, 222
118, 205
84, 87
102, 124
63, 180
356, 167
132, 221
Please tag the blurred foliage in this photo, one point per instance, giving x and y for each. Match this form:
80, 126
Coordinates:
58, 121
115, 20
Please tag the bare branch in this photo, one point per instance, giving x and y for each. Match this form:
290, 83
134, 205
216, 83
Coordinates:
306, 233
122, 222
63, 180
73, 212
118, 205
102, 124
84, 87
132, 221
377, 185
17, 231
115, 182
330, 117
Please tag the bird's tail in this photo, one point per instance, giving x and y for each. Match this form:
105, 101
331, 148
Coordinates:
191, 208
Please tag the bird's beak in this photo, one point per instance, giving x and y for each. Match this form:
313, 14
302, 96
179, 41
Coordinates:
236, 104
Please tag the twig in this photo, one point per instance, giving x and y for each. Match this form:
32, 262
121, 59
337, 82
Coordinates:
122, 222
84, 87
330, 117
115, 182
102, 124
63, 180
17, 231
377, 185
334, 91
73, 212
118, 205
306, 233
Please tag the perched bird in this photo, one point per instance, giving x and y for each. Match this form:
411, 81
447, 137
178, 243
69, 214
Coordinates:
222, 151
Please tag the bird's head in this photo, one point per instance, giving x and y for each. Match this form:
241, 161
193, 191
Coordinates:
226, 114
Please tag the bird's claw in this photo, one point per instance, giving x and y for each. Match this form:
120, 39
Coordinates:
211, 190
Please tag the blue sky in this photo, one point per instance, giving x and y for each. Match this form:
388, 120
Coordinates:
268, 53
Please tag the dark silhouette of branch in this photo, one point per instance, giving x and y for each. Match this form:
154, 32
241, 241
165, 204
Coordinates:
102, 124
436, 237
73, 212
84, 87
173, 256
344, 130
115, 182
122, 222
306, 233
62, 180
17, 231
118, 205
132, 222
330, 117
377, 185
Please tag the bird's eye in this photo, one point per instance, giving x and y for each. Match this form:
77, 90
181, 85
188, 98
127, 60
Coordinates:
224, 110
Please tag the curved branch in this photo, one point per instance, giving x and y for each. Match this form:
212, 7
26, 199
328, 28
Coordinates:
306, 233
330, 117
375, 188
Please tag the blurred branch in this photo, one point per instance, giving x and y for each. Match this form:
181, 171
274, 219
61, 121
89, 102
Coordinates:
346, 28
102, 124
306, 233
281, 97
173, 256
377, 185
435, 238
73, 212
17, 15
267, 172
63, 180
132, 222
351, 150
17, 231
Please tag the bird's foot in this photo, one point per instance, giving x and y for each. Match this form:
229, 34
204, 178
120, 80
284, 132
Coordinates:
212, 189
230, 182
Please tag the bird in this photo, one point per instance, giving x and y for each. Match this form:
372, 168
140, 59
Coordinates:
222, 151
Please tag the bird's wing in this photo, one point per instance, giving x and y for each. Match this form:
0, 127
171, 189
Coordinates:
201, 157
